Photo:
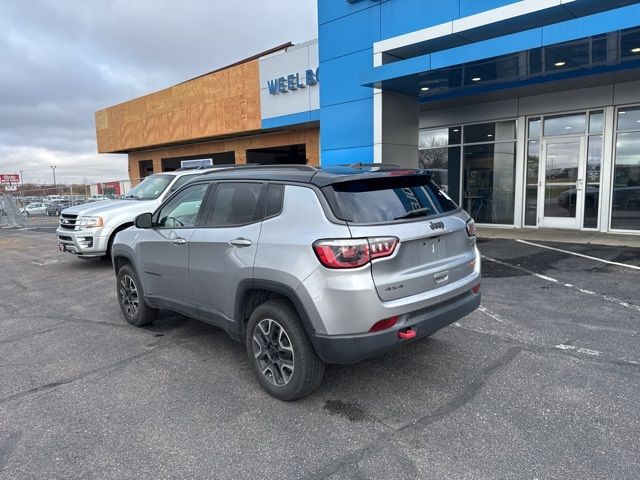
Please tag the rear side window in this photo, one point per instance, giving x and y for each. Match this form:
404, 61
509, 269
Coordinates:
275, 199
389, 199
235, 204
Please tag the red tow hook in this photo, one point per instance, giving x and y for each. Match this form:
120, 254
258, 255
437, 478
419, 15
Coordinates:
407, 334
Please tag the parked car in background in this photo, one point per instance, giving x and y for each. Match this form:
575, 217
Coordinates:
304, 265
56, 207
88, 230
54, 198
34, 209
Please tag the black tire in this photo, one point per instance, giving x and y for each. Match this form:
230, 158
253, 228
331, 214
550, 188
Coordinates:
308, 369
143, 314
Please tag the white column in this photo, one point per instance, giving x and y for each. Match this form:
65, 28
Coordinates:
606, 169
377, 115
521, 173
399, 129
377, 125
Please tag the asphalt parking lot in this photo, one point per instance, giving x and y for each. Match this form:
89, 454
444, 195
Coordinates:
542, 383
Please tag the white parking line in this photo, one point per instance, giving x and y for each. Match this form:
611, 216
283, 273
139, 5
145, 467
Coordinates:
626, 265
617, 301
587, 351
491, 314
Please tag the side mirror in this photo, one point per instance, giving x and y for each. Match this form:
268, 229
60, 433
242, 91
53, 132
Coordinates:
144, 220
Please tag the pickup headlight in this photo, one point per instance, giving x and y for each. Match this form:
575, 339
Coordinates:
90, 222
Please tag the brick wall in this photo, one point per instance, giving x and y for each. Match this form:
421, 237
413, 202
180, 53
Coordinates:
308, 136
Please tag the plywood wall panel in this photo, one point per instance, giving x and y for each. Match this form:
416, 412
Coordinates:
217, 104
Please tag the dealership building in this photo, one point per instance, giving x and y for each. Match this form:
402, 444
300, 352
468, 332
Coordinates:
528, 112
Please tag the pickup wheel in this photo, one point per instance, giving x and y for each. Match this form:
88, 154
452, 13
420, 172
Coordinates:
131, 300
280, 352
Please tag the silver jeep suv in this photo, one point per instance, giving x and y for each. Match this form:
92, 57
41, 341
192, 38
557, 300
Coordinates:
304, 265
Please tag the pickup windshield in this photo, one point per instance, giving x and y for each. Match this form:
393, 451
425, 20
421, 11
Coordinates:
389, 199
150, 188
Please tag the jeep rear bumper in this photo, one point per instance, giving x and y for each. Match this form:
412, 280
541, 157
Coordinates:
346, 349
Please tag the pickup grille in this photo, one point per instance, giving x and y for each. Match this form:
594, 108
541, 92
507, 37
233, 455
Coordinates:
68, 222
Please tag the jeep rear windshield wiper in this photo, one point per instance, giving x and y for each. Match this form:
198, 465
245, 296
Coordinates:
131, 196
420, 212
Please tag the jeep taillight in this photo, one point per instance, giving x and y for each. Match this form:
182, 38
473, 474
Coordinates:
471, 228
353, 252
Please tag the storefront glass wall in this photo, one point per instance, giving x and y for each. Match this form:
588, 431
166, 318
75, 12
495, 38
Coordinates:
568, 184
625, 199
476, 163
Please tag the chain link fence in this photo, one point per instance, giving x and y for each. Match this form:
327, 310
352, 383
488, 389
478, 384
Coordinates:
31, 204
10, 215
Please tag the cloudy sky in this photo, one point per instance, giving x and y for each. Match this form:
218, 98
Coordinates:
61, 60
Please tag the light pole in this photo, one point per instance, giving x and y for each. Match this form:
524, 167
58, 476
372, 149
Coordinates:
53, 168
21, 181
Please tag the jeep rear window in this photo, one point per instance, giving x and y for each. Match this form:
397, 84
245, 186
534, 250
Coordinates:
387, 199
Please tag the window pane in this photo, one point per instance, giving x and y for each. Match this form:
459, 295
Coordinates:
275, 199
489, 172
629, 119
181, 181
439, 137
182, 211
596, 120
444, 164
151, 187
534, 127
592, 188
490, 132
235, 204
533, 163
565, 124
625, 214
387, 199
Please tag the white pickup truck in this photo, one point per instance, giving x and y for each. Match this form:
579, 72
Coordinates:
88, 230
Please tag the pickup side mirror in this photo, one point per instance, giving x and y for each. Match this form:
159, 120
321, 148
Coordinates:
144, 220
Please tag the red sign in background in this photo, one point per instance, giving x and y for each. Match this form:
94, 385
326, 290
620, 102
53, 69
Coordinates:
9, 178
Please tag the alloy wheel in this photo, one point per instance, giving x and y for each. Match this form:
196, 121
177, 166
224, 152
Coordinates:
273, 352
129, 295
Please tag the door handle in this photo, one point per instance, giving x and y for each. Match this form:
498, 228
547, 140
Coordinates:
240, 242
178, 241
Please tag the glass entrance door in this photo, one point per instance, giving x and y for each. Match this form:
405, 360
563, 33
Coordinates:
561, 199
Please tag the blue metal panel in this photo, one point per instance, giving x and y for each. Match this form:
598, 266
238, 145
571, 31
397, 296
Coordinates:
604, 22
489, 48
471, 7
347, 125
293, 119
347, 156
402, 16
533, 81
618, 19
395, 70
329, 10
349, 34
586, 7
341, 78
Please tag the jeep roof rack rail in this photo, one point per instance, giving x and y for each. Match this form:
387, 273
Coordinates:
361, 165
293, 166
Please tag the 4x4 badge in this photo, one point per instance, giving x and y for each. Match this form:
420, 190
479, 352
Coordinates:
437, 225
